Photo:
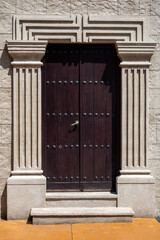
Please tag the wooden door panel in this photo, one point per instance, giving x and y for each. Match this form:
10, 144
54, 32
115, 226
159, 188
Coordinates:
73, 109
51, 122
63, 121
86, 110
62, 103
116, 112
96, 130
80, 83
109, 106
100, 123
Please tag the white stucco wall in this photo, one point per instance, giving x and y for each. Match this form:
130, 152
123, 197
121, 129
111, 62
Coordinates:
148, 8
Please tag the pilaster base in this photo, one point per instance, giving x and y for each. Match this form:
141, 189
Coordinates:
137, 192
24, 193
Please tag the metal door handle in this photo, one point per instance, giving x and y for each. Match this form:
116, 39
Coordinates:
75, 123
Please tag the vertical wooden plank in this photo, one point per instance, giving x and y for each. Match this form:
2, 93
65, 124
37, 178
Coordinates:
116, 113
102, 104
50, 85
73, 108
86, 108
62, 103
110, 83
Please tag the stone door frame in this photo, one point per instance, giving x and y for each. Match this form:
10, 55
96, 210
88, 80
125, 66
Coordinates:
134, 48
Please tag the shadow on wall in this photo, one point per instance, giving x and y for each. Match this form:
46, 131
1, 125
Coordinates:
4, 203
5, 119
5, 58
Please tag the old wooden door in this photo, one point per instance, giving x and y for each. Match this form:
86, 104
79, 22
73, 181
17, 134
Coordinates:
80, 117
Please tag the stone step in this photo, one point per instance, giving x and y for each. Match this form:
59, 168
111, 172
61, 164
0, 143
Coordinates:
70, 215
81, 199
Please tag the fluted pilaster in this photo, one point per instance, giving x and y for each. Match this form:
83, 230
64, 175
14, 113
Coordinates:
135, 64
134, 117
27, 156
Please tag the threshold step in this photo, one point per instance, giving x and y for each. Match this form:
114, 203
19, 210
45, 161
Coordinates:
81, 199
81, 215
80, 195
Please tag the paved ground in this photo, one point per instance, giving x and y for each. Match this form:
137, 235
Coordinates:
140, 229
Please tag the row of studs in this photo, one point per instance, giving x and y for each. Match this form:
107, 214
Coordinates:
77, 51
77, 82
77, 114
65, 51
76, 146
102, 178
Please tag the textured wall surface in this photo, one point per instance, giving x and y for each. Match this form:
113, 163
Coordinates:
8, 8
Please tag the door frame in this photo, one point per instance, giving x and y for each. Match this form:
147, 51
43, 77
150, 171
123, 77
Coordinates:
134, 48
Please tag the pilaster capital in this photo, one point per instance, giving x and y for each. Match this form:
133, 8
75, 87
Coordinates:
134, 54
26, 52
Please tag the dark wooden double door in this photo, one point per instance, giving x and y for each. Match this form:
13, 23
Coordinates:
80, 117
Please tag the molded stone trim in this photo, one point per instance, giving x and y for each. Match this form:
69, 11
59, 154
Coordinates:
135, 52
27, 51
80, 28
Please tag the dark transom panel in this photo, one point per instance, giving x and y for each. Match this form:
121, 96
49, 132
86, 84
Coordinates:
81, 117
